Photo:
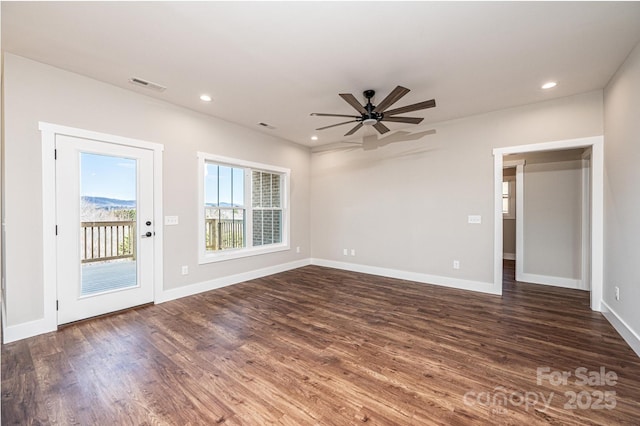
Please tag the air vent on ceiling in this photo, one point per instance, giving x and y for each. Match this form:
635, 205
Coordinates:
147, 84
268, 126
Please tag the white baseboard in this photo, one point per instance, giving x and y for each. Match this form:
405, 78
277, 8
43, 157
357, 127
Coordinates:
627, 333
549, 280
188, 290
509, 256
483, 287
12, 333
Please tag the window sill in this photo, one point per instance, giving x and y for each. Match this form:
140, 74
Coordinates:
240, 253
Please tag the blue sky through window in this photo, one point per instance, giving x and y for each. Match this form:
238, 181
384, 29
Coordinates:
107, 176
224, 185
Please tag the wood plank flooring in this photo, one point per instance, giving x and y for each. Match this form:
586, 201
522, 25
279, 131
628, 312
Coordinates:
329, 347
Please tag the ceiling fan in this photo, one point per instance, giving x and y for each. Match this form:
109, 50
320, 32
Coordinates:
373, 115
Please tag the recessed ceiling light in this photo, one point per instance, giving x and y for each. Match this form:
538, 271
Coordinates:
205, 98
549, 85
314, 138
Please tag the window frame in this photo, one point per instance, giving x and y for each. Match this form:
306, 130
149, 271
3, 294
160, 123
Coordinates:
205, 256
511, 214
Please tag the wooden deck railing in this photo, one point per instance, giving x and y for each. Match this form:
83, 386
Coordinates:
224, 234
101, 241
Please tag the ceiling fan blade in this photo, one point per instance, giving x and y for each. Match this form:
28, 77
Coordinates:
334, 125
381, 128
412, 120
319, 114
355, 129
409, 108
392, 98
351, 100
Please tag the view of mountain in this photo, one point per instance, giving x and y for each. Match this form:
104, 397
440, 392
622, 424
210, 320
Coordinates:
109, 203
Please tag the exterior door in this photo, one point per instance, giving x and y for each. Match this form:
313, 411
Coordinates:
105, 227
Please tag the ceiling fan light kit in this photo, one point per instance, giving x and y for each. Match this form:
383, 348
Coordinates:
373, 115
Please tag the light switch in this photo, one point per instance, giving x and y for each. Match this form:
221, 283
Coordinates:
475, 219
171, 220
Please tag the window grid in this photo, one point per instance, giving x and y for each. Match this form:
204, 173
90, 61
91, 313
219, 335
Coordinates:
224, 222
261, 211
267, 213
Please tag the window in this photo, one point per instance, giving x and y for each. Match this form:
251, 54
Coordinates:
243, 208
224, 211
267, 210
508, 197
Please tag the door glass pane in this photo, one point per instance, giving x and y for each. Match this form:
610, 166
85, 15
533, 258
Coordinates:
108, 206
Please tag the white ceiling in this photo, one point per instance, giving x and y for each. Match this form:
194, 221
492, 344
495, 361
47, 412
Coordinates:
276, 62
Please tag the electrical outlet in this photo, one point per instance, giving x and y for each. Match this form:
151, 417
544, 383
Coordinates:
353, 252
345, 252
298, 249
617, 293
185, 270
456, 264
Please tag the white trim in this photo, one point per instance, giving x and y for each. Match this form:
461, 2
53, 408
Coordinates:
549, 146
158, 215
49, 246
550, 280
628, 334
597, 223
597, 207
16, 332
519, 221
483, 287
509, 164
97, 136
189, 290
49, 132
234, 162
240, 252
509, 256
585, 229
498, 225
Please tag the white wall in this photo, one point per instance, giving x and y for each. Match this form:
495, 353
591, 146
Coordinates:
622, 196
405, 207
35, 92
552, 221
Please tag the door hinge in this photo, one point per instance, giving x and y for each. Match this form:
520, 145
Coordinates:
55, 154
56, 305
56, 229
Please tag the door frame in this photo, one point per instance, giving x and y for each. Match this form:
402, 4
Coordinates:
49, 132
596, 143
519, 215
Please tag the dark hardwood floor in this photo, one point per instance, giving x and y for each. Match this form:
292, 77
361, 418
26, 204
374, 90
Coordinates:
329, 347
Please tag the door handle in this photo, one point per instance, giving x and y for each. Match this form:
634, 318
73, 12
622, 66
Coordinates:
147, 235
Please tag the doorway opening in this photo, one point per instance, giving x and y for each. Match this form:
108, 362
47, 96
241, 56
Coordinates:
102, 195
563, 244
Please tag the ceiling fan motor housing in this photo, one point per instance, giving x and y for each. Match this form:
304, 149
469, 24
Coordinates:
371, 117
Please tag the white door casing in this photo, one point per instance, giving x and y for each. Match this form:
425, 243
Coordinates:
49, 132
596, 208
